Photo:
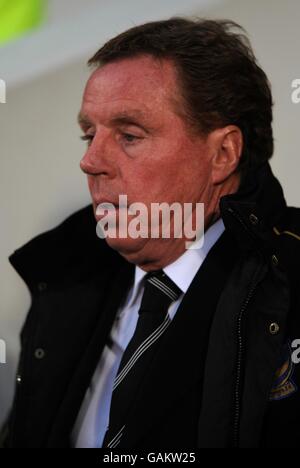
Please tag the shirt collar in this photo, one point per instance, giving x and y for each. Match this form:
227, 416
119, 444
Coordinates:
184, 269
137, 285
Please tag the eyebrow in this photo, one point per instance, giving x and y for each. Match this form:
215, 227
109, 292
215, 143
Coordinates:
122, 118
83, 120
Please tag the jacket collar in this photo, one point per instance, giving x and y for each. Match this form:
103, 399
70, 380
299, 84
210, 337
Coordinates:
65, 255
255, 210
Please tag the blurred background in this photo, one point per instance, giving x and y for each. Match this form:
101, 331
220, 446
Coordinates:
44, 47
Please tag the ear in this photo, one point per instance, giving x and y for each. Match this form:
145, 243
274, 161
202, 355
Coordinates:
228, 145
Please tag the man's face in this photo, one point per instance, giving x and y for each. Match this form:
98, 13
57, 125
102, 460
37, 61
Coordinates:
139, 146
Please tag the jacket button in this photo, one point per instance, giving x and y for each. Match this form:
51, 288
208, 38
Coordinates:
253, 219
42, 286
275, 260
19, 379
39, 353
274, 328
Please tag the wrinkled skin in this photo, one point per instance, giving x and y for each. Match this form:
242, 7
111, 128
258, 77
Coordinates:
141, 146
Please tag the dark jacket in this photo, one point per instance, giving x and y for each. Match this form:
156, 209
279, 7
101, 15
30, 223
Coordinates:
224, 374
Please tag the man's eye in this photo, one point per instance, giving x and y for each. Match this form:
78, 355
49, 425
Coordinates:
87, 138
129, 138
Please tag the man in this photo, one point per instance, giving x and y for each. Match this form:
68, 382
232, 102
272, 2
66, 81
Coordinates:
139, 342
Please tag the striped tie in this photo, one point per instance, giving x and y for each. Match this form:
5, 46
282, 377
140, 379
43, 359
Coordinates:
159, 293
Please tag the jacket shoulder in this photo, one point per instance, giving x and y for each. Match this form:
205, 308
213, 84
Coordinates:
289, 227
71, 248
288, 235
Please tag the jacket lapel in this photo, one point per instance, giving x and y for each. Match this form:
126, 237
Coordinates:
181, 357
115, 286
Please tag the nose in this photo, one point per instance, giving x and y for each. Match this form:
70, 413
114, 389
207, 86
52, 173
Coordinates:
98, 160
90, 167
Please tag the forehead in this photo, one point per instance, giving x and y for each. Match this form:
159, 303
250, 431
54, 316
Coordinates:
142, 83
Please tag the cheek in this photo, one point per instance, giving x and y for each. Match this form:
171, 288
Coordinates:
167, 170
156, 183
91, 183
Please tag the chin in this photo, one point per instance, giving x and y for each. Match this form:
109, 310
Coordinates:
126, 247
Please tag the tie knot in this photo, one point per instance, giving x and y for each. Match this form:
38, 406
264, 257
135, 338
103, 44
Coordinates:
161, 281
160, 291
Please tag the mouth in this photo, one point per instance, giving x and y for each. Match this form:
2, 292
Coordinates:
105, 204
105, 207
100, 201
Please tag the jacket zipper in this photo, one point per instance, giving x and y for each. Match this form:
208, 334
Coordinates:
240, 352
240, 355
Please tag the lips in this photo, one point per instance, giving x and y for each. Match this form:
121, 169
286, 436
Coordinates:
111, 205
105, 205
102, 201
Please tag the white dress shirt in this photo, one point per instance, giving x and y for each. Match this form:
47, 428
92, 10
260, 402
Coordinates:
93, 418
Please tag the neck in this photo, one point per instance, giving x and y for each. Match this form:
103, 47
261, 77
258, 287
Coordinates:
159, 253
